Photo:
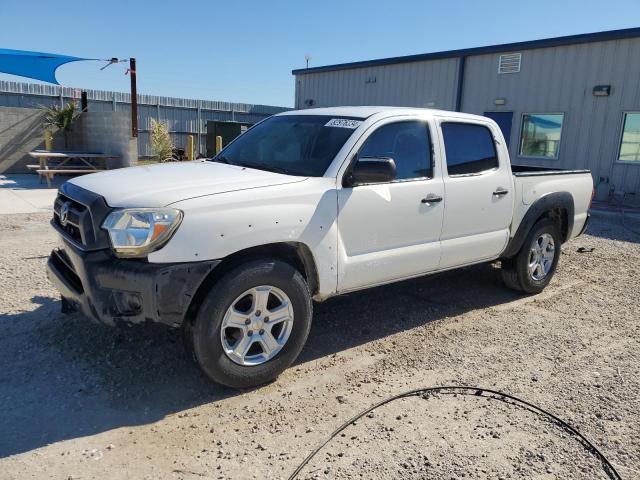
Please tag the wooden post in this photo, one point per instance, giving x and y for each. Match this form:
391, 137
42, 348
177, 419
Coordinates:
134, 98
190, 149
48, 140
84, 103
218, 144
199, 142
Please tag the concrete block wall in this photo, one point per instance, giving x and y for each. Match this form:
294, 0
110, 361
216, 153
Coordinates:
20, 132
109, 133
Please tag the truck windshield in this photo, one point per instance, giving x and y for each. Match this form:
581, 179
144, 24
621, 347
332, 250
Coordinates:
302, 145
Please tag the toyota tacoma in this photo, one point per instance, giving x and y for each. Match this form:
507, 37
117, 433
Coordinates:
303, 206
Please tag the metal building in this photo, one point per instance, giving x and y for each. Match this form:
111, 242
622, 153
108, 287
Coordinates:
566, 102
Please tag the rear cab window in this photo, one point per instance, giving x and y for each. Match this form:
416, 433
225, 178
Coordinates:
469, 148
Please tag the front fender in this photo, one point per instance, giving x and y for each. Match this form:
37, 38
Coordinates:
217, 226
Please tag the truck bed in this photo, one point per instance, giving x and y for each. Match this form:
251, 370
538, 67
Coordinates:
532, 183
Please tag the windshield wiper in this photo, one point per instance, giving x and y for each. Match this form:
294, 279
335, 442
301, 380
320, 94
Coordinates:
267, 167
222, 159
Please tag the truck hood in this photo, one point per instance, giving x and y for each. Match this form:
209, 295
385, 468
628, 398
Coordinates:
162, 184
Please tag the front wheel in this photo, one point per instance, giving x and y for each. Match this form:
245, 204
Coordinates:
533, 266
252, 325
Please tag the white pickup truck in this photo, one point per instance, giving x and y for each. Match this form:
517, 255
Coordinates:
305, 205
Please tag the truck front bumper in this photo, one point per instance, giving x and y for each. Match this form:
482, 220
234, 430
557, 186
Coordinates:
112, 290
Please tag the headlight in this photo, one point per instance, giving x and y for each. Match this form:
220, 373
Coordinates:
135, 232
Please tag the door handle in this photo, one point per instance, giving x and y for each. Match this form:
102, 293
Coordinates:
431, 198
500, 192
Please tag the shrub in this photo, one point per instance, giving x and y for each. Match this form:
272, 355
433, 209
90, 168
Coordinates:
60, 118
161, 143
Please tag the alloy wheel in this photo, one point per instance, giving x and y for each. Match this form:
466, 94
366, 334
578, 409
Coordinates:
257, 325
541, 256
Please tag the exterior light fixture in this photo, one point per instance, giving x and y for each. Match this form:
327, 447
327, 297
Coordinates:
602, 90
500, 101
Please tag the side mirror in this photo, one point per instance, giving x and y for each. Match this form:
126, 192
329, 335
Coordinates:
371, 170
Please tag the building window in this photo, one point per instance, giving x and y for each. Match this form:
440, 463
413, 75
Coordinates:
407, 143
630, 140
469, 148
540, 135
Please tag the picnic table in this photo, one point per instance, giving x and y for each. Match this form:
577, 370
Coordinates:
86, 160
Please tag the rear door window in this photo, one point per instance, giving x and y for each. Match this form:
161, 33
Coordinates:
469, 148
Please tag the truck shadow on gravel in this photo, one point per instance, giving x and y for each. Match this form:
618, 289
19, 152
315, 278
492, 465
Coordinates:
350, 320
64, 377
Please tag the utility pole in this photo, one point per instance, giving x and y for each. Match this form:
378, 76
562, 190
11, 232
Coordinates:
134, 98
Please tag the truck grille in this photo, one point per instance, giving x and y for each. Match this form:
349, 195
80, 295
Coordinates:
78, 215
69, 221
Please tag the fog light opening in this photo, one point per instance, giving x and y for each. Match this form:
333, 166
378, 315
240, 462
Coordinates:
128, 303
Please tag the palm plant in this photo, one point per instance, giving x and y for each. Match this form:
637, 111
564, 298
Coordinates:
60, 118
161, 143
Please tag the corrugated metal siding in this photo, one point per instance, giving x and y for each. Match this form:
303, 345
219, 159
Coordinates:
552, 79
561, 79
181, 114
418, 84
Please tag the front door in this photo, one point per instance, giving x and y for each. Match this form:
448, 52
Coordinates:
391, 231
504, 121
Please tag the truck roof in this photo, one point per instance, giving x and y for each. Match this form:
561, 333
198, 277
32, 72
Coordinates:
383, 111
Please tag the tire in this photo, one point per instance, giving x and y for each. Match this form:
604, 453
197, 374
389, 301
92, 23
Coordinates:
213, 338
510, 275
516, 272
66, 306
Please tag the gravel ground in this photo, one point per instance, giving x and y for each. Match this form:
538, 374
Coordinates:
79, 400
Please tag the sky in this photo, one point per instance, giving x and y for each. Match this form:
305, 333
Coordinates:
244, 51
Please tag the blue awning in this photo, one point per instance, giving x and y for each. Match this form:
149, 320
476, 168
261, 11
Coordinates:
36, 65
542, 122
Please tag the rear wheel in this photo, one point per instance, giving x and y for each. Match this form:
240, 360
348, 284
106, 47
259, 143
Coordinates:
533, 267
252, 325
67, 307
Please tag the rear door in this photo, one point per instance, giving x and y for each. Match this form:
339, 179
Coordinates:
478, 192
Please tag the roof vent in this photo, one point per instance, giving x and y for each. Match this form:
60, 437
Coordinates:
509, 63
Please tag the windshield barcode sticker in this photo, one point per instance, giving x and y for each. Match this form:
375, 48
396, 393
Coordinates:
343, 123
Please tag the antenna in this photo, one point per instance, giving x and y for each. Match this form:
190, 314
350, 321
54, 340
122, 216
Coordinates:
307, 58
